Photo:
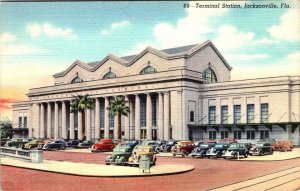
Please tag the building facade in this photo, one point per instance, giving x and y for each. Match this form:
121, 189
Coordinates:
178, 93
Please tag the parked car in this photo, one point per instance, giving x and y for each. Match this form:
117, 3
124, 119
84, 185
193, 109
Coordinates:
218, 150
167, 147
140, 150
284, 145
198, 143
120, 155
236, 150
95, 140
72, 143
41, 144
183, 148
33, 144
3, 141
55, 145
201, 150
103, 145
15, 142
85, 144
154, 144
261, 148
132, 143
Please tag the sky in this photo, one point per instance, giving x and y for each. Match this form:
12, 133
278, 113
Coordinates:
40, 39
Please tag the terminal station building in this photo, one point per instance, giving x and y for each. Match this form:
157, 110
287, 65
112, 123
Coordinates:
178, 93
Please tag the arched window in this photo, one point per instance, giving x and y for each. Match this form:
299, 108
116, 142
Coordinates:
148, 70
109, 75
209, 76
77, 79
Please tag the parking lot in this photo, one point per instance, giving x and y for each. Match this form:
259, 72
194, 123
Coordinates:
208, 174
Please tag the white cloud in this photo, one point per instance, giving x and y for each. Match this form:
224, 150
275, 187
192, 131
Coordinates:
229, 38
289, 65
264, 41
9, 46
114, 26
246, 57
49, 30
190, 29
7, 37
288, 29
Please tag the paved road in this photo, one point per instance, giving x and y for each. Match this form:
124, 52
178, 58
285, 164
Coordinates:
208, 174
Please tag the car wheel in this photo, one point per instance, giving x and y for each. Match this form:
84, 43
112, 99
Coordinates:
261, 153
174, 155
62, 147
107, 164
246, 155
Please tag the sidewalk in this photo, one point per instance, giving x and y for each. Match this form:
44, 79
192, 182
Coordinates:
83, 169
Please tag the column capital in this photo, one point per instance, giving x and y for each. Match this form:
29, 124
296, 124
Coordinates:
166, 92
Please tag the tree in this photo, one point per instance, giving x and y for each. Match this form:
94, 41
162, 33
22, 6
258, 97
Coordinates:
6, 128
117, 106
80, 104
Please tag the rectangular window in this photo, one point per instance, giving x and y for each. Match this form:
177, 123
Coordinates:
75, 120
20, 120
212, 115
224, 134
212, 135
237, 114
154, 111
237, 135
111, 120
224, 114
264, 134
250, 113
250, 135
102, 111
192, 119
143, 112
264, 113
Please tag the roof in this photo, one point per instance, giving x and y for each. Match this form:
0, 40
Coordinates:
170, 53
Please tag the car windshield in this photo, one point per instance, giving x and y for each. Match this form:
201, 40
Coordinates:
143, 150
170, 143
204, 145
260, 144
119, 149
234, 146
219, 145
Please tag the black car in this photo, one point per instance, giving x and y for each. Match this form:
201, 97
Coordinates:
56, 144
261, 148
167, 147
72, 143
85, 144
201, 150
236, 150
218, 150
132, 143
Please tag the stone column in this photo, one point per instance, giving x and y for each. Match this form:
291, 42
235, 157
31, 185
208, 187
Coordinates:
160, 122
49, 121
79, 125
126, 120
106, 118
137, 117
88, 124
116, 127
97, 118
64, 120
149, 117
55, 120
166, 115
131, 123
42, 121
72, 128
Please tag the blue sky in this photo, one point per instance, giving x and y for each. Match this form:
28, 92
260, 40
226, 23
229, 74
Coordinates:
40, 39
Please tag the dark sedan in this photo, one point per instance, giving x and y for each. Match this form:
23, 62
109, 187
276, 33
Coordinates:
201, 150
55, 145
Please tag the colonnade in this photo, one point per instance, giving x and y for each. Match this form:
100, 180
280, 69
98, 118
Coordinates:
51, 127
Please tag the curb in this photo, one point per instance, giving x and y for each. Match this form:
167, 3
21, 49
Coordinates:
104, 176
